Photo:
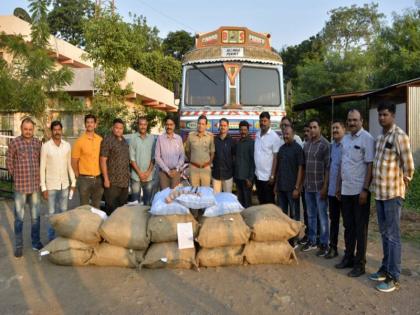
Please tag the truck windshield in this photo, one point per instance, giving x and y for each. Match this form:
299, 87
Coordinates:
205, 86
260, 86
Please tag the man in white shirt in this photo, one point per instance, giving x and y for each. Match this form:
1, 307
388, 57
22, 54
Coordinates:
55, 171
267, 145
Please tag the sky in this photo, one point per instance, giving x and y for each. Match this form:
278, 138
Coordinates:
288, 22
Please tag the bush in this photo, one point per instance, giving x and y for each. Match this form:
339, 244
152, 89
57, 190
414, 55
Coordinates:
412, 200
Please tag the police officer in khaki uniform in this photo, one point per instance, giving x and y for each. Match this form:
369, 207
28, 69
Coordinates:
199, 148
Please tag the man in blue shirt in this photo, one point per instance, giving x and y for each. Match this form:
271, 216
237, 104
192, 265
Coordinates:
338, 131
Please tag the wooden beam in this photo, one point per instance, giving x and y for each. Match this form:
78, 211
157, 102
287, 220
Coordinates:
151, 103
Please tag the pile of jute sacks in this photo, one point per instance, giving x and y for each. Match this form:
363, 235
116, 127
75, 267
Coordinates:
139, 236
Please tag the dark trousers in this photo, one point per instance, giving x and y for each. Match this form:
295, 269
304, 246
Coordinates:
335, 209
289, 205
265, 192
244, 193
355, 221
115, 197
305, 212
90, 190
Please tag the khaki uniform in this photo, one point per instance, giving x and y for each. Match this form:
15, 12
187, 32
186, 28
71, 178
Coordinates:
199, 149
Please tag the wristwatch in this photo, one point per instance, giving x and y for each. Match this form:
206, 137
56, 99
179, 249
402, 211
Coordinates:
271, 177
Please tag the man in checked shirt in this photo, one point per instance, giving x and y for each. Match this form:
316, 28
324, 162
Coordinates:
393, 169
23, 156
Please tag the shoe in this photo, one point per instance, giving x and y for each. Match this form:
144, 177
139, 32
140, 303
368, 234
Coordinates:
303, 240
308, 246
356, 272
37, 246
388, 285
378, 276
332, 253
323, 250
293, 243
18, 252
345, 263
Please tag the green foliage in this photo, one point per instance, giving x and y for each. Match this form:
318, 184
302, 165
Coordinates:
144, 37
154, 118
412, 200
31, 83
352, 27
165, 70
397, 50
176, 44
22, 14
67, 17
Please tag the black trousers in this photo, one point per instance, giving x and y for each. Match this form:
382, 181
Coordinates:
265, 192
115, 197
244, 193
90, 190
355, 221
335, 210
305, 212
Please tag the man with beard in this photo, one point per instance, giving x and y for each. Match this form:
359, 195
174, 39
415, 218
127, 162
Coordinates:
244, 165
115, 167
169, 155
55, 173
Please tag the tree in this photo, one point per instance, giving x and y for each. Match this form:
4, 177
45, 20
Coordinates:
31, 83
145, 37
67, 17
176, 44
22, 14
397, 50
352, 27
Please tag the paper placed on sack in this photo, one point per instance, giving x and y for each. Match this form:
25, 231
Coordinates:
185, 235
101, 213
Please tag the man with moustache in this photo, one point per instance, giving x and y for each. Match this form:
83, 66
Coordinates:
393, 169
244, 165
289, 177
317, 163
169, 155
338, 131
304, 240
142, 159
287, 122
115, 167
55, 171
353, 189
85, 163
267, 145
222, 171
199, 148
22, 162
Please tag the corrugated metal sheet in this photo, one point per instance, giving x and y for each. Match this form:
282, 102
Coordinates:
413, 121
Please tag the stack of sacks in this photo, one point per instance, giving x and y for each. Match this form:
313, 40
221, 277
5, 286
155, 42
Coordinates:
125, 235
162, 231
271, 230
223, 233
78, 232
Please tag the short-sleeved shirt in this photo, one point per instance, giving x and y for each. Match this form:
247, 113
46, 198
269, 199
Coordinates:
393, 162
335, 161
118, 160
87, 150
265, 146
23, 158
317, 162
142, 151
200, 147
289, 158
358, 152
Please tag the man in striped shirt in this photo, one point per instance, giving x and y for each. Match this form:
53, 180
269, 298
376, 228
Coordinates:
393, 169
22, 161
169, 155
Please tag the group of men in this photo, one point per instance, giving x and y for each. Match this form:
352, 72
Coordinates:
340, 174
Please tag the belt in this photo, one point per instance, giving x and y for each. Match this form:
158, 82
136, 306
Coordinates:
89, 176
200, 166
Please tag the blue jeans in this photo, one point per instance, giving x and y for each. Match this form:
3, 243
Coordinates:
290, 206
389, 213
317, 207
57, 203
146, 187
19, 211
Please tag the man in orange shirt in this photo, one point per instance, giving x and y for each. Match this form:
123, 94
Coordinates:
85, 163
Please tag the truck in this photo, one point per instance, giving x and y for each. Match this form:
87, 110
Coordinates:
231, 72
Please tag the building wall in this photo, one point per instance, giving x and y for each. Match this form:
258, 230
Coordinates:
413, 122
